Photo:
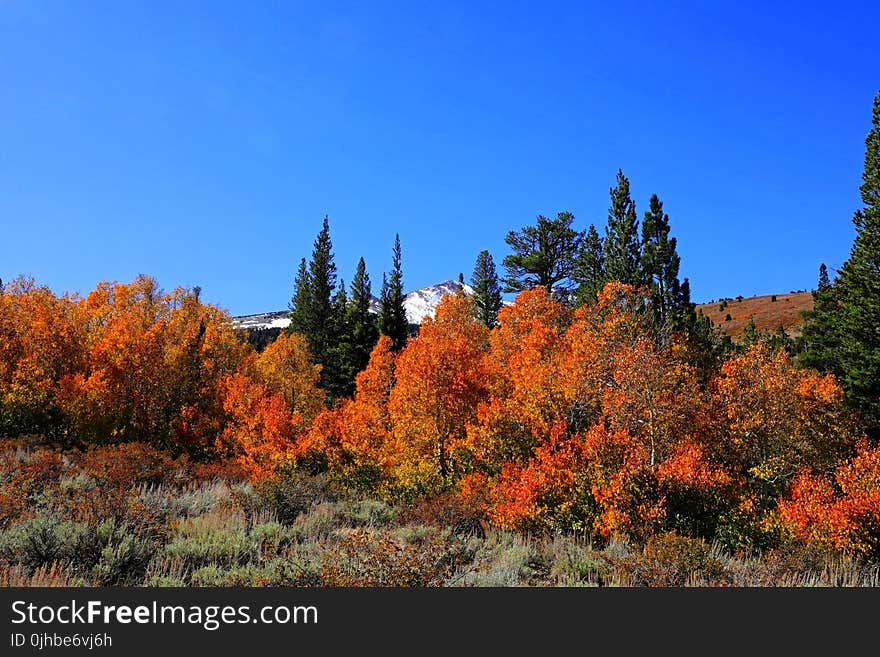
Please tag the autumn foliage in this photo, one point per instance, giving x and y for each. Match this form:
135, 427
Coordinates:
842, 511
553, 421
130, 363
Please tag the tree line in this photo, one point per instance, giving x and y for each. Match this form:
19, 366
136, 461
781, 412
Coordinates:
573, 265
839, 334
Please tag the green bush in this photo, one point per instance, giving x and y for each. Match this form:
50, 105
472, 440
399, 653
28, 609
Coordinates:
123, 561
275, 572
35, 542
505, 559
213, 539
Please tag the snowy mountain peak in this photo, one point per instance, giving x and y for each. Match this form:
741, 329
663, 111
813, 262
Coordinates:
424, 301
418, 304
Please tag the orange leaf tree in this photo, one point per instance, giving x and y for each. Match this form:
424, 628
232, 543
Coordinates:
441, 377
842, 512
771, 420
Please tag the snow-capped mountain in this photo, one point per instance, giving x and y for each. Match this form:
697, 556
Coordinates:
278, 319
418, 304
424, 301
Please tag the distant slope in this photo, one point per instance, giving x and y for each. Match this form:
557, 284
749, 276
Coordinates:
768, 314
417, 303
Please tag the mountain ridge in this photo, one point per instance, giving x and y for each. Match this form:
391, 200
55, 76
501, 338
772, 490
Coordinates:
418, 304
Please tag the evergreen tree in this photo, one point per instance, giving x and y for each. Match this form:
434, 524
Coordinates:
322, 281
589, 268
301, 303
543, 254
781, 340
670, 299
824, 283
337, 379
708, 346
392, 313
362, 330
840, 334
487, 291
750, 335
819, 339
621, 249
312, 309
857, 315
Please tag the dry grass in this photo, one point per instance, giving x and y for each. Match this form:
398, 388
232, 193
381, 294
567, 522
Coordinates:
768, 314
52, 574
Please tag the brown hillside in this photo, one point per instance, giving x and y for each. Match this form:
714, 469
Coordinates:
768, 314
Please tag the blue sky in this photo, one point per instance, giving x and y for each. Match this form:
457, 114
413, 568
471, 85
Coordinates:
203, 143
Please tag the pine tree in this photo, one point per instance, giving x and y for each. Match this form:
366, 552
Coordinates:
392, 313
819, 339
858, 312
621, 249
708, 346
781, 340
312, 312
487, 291
840, 333
301, 303
824, 282
363, 332
543, 254
337, 379
322, 277
750, 335
670, 299
589, 269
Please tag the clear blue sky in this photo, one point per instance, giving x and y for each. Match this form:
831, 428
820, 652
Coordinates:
202, 143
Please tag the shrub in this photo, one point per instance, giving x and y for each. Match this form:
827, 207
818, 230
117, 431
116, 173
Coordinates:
26, 478
671, 560
276, 572
123, 560
130, 464
446, 510
505, 559
191, 500
223, 470
366, 513
377, 558
574, 563
217, 538
288, 495
35, 542
322, 519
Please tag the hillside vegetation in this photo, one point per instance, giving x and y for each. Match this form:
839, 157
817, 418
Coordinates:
769, 311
